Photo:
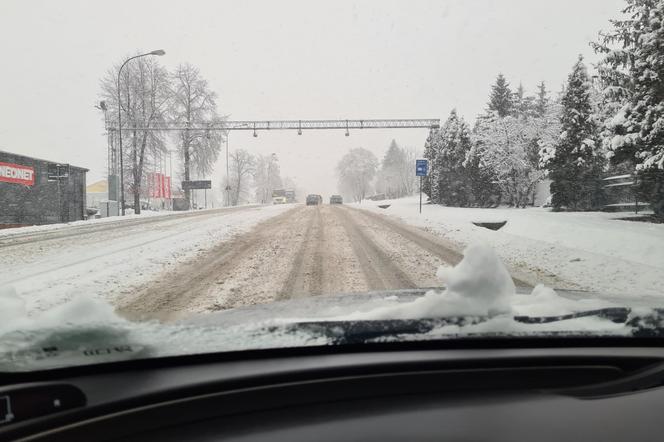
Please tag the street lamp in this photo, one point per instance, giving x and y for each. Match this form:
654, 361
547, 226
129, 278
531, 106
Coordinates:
158, 52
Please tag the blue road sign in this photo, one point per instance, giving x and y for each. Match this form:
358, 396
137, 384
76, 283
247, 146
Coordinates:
421, 167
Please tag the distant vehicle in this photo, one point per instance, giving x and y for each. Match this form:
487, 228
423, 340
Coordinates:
290, 196
279, 196
314, 200
336, 199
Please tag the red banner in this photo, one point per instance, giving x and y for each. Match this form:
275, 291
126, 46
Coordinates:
14, 173
159, 185
167, 187
162, 191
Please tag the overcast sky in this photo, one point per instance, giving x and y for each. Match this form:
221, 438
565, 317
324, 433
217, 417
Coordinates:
283, 60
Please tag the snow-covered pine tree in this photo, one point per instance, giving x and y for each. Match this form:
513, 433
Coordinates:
430, 154
501, 99
391, 167
633, 72
574, 167
542, 100
523, 104
452, 142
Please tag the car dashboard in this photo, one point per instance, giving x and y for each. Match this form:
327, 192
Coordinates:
387, 393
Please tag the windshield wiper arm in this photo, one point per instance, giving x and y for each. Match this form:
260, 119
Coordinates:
351, 332
614, 314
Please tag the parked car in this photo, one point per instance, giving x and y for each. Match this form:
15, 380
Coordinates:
314, 200
336, 199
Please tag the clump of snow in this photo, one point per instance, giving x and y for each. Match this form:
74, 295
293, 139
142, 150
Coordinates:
479, 285
81, 310
544, 301
481, 280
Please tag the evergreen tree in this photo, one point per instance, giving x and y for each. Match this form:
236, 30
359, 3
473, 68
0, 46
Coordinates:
451, 146
391, 172
481, 180
500, 99
523, 104
633, 74
542, 100
430, 154
574, 166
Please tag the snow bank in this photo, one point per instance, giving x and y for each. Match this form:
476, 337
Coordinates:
98, 221
575, 250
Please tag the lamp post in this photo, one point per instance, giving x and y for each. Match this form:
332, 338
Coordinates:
156, 52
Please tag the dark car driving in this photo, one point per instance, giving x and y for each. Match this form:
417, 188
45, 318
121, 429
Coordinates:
314, 200
336, 199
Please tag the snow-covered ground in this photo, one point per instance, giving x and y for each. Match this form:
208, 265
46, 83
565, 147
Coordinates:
580, 250
49, 270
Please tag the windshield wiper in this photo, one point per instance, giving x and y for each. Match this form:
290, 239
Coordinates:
355, 332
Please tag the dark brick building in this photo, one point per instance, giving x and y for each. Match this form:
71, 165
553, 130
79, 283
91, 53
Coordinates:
34, 191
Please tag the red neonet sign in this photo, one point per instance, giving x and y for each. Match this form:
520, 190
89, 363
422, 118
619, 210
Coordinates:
14, 173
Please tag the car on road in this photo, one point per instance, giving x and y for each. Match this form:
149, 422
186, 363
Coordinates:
314, 200
336, 199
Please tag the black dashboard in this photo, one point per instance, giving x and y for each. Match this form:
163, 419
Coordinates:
480, 394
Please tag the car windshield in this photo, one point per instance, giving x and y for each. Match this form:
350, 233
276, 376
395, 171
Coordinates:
215, 176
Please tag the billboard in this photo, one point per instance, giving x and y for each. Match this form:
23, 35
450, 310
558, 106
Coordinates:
15, 173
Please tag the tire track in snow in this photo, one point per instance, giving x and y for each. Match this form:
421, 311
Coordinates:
380, 271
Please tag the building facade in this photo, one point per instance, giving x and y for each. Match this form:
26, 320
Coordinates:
35, 191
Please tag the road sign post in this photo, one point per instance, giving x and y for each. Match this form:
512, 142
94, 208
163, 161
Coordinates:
421, 170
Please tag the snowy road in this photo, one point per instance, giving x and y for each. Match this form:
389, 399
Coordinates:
167, 267
302, 252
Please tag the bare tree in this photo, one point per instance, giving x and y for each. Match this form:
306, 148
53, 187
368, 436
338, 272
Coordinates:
242, 166
356, 170
145, 96
407, 170
195, 104
267, 177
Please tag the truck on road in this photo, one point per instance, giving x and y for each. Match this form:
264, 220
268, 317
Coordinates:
279, 196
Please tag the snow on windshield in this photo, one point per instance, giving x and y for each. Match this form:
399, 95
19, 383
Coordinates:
479, 286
